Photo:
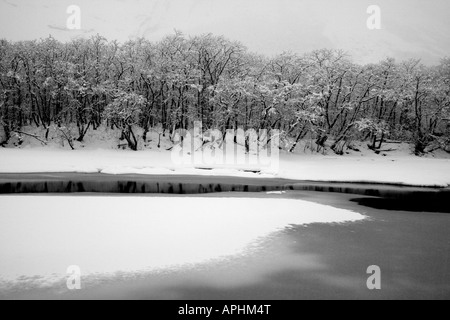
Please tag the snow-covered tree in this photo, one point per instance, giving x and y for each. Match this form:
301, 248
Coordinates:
170, 84
124, 112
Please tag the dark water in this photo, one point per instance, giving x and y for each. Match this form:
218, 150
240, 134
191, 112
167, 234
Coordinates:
65, 183
320, 261
412, 204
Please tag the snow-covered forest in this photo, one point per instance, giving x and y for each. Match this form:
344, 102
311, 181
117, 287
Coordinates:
76, 87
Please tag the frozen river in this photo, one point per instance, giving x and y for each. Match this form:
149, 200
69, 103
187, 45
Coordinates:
268, 245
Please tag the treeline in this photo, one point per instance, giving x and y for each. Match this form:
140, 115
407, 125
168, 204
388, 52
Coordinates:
169, 84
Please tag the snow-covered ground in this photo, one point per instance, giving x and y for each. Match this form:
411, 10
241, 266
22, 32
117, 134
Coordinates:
138, 234
411, 170
396, 169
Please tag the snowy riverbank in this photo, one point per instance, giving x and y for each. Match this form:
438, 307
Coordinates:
408, 170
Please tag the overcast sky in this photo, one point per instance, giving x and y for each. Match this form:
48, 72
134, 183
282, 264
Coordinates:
410, 28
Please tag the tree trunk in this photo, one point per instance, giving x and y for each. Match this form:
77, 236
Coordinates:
128, 134
6, 137
82, 132
299, 137
381, 141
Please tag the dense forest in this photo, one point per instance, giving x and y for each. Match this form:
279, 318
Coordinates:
322, 95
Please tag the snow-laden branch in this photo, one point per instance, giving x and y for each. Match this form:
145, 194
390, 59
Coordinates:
30, 135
